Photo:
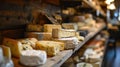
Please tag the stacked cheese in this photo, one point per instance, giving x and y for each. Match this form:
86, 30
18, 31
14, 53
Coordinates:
41, 32
95, 50
17, 46
69, 37
24, 49
51, 47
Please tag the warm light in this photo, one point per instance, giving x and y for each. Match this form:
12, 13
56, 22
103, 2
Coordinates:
111, 6
108, 1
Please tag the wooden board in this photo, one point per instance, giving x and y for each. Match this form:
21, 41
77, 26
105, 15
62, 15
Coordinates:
55, 61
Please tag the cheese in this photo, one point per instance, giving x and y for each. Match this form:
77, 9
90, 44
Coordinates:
33, 57
15, 46
50, 27
70, 43
70, 26
63, 33
29, 41
6, 51
34, 28
49, 46
39, 35
26, 47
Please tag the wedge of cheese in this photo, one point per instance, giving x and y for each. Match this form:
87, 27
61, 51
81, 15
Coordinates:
50, 27
33, 57
34, 28
51, 47
6, 51
63, 33
39, 35
15, 46
70, 43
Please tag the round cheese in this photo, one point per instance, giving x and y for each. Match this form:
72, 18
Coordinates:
33, 57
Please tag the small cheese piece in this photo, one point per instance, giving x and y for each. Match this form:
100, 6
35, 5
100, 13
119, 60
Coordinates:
39, 35
70, 43
49, 46
34, 28
70, 26
33, 57
50, 27
15, 46
63, 33
6, 51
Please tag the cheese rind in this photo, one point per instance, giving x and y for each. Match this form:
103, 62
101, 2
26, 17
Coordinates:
63, 33
50, 27
49, 46
33, 57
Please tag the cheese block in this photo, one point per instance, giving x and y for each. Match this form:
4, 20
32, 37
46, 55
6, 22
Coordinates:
70, 43
1, 55
33, 57
15, 46
29, 41
39, 35
50, 27
6, 51
34, 28
63, 33
70, 26
49, 46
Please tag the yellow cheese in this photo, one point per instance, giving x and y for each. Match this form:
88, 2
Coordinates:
6, 51
63, 33
50, 27
15, 46
49, 46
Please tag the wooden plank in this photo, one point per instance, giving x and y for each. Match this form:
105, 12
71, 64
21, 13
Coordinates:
59, 59
55, 61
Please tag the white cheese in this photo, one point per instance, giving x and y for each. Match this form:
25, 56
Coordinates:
33, 57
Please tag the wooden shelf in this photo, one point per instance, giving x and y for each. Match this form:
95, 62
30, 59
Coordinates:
62, 56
